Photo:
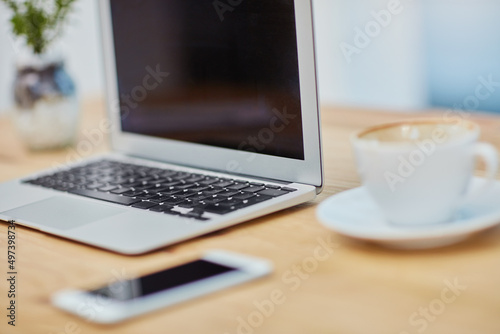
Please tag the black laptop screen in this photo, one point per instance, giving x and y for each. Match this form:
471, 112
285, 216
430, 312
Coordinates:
215, 72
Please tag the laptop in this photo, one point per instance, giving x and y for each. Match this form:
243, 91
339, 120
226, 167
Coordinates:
213, 121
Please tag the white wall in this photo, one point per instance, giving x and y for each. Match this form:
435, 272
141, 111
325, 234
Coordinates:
387, 73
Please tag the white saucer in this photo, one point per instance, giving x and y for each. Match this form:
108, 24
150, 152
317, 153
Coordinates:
353, 213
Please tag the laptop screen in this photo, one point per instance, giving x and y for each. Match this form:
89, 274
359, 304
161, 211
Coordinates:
222, 73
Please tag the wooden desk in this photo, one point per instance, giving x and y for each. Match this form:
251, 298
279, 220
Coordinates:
325, 283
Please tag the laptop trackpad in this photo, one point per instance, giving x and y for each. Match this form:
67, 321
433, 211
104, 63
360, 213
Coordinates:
62, 212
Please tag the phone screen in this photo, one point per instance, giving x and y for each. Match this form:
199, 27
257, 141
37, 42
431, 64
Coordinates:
162, 280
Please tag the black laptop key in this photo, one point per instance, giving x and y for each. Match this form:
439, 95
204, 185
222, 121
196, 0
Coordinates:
232, 202
194, 178
184, 186
95, 185
120, 191
195, 213
188, 204
171, 184
257, 184
117, 199
144, 187
210, 192
253, 189
161, 208
219, 209
144, 205
238, 186
273, 192
145, 179
166, 173
288, 189
80, 181
213, 200
117, 180
133, 193
228, 193
198, 197
92, 177
131, 184
180, 176
255, 200
51, 184
243, 196
64, 186
169, 192
199, 188
173, 200
222, 183
208, 181
107, 188
157, 198
158, 182
106, 179
145, 195
158, 188
185, 194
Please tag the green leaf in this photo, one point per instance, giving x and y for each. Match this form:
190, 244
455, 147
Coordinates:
33, 20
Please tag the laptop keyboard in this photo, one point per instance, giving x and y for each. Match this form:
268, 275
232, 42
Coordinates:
160, 190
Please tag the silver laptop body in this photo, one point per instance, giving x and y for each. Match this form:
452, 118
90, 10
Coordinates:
221, 89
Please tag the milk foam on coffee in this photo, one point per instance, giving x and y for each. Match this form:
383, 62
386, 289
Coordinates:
412, 132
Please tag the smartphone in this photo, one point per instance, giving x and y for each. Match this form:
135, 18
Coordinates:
124, 299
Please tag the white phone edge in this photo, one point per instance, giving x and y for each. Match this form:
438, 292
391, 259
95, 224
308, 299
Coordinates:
99, 310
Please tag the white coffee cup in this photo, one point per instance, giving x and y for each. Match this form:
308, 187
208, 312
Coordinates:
418, 171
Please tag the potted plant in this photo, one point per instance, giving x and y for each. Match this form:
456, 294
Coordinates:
46, 112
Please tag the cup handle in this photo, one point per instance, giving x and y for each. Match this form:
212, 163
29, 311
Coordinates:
489, 155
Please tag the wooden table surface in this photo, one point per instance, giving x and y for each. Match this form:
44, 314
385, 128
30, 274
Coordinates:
326, 283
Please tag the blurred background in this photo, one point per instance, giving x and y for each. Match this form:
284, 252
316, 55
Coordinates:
404, 55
